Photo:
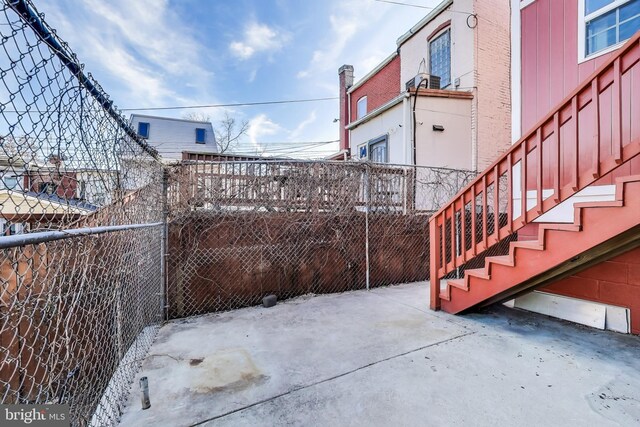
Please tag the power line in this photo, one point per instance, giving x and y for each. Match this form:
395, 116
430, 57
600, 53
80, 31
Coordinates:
236, 104
399, 3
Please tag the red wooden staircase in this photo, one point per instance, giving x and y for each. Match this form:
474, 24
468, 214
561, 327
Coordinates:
586, 139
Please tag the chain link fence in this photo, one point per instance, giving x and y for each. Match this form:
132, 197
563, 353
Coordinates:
241, 230
99, 243
81, 202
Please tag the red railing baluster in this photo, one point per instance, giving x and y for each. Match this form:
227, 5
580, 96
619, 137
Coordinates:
509, 193
463, 231
473, 221
523, 183
558, 169
453, 236
484, 212
575, 171
595, 104
616, 116
434, 263
496, 202
539, 171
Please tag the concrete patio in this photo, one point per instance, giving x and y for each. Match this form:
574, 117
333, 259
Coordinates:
382, 358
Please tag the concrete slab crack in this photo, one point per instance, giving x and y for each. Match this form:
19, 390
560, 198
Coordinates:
313, 384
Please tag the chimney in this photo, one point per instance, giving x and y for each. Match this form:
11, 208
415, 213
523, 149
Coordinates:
345, 74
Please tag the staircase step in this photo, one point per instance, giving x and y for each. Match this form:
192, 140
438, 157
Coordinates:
528, 244
502, 260
477, 272
458, 283
605, 204
560, 226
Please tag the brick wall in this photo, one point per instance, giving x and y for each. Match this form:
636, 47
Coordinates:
615, 282
493, 109
379, 89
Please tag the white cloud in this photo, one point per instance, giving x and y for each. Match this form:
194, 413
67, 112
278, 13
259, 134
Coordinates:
258, 38
145, 47
348, 18
259, 127
295, 134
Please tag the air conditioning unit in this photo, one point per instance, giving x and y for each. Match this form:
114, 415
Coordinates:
434, 82
424, 80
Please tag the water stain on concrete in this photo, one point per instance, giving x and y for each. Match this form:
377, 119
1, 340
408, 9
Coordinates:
230, 369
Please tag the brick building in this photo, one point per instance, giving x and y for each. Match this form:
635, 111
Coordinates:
459, 117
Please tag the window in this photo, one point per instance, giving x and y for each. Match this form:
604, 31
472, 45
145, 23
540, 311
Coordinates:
362, 107
378, 150
47, 188
440, 58
607, 23
143, 129
10, 182
200, 134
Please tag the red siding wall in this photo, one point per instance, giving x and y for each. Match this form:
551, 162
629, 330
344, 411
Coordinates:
550, 72
616, 282
381, 88
549, 46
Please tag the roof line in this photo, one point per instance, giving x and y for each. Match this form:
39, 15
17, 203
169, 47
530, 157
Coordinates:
424, 21
374, 71
169, 118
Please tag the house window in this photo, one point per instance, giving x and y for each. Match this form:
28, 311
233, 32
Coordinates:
606, 23
440, 58
10, 182
200, 134
378, 150
361, 107
143, 129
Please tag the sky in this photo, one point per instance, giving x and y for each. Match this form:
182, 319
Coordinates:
158, 53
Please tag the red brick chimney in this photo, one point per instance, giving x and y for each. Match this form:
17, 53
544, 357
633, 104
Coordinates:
345, 74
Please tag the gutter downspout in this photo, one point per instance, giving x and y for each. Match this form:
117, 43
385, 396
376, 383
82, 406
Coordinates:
349, 121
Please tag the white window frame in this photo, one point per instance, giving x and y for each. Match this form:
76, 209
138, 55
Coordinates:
582, 29
381, 140
359, 112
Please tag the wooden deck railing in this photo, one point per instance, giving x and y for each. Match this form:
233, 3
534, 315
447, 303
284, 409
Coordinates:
592, 132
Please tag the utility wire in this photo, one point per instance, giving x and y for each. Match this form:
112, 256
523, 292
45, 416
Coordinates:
399, 3
237, 104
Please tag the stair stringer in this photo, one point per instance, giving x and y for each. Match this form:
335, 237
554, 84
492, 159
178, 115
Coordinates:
597, 227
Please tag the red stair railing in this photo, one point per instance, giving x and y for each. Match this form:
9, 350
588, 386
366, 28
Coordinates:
575, 145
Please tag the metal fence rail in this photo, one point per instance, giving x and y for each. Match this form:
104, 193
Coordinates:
81, 235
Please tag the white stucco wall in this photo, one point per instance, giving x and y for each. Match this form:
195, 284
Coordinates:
387, 123
173, 136
450, 148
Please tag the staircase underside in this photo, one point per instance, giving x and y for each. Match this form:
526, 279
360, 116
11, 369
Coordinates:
601, 231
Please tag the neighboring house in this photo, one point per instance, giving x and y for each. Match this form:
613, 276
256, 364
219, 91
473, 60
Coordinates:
459, 117
173, 136
576, 98
33, 193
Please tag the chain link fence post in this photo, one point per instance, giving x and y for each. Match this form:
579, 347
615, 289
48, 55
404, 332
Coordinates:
164, 245
367, 206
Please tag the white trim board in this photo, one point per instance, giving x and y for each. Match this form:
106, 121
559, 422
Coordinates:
589, 313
